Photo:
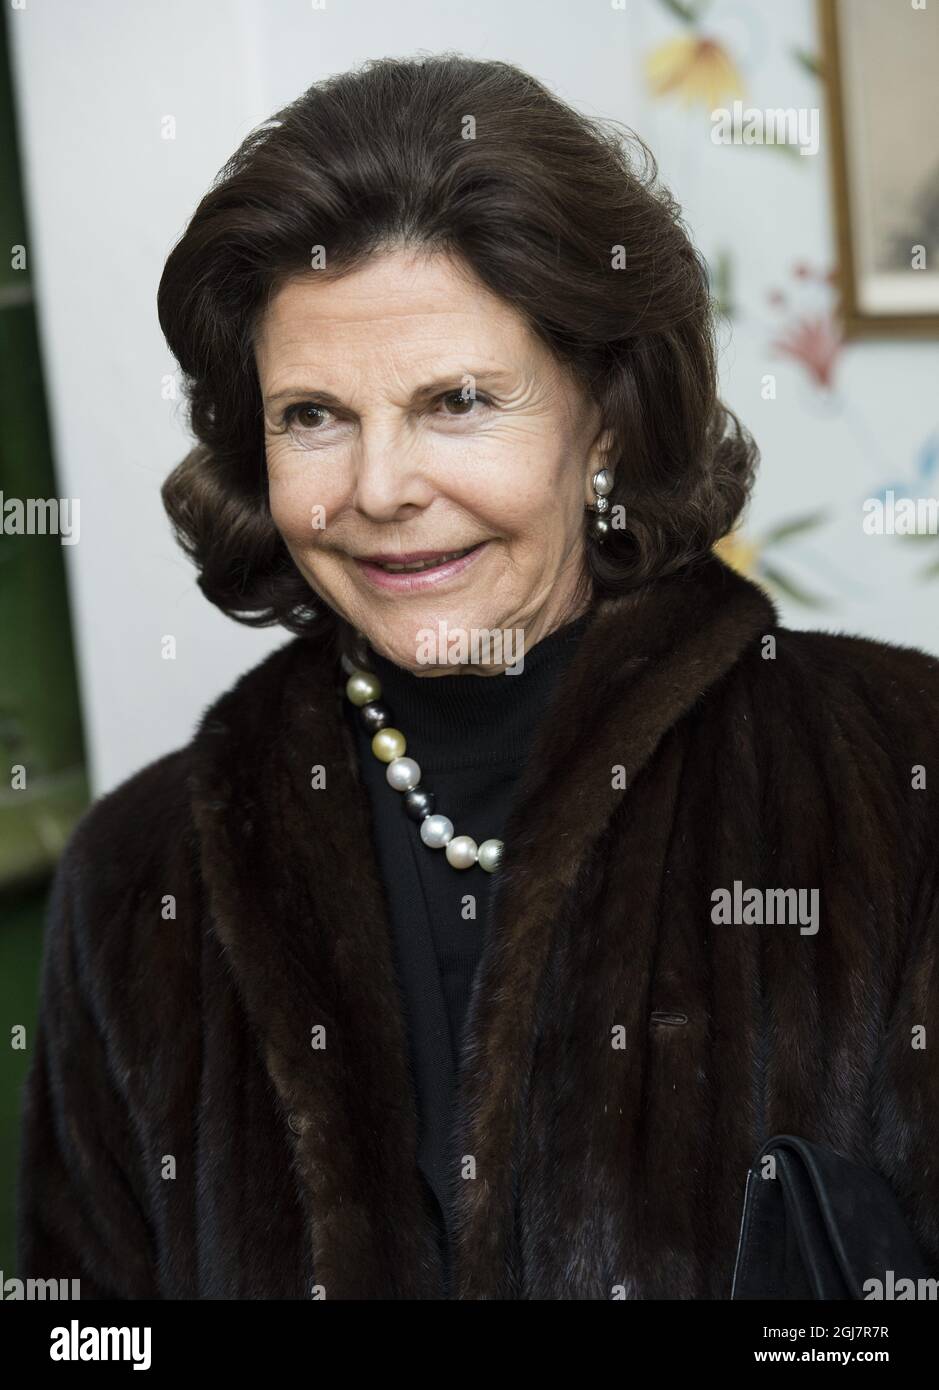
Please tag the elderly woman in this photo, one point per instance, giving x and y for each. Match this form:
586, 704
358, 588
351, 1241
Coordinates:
485, 931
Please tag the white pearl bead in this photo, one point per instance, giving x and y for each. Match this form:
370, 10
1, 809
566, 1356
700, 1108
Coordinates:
603, 482
403, 774
489, 855
461, 852
436, 831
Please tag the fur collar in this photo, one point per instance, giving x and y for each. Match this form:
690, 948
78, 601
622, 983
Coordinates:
299, 907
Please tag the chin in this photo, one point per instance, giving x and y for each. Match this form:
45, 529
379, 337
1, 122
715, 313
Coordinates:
435, 636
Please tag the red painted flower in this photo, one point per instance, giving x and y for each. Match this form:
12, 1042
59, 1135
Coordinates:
816, 343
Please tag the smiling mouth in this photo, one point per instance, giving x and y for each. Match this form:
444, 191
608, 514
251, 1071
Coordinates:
428, 562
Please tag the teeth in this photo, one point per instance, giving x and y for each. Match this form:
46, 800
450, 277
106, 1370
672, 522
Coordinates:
425, 564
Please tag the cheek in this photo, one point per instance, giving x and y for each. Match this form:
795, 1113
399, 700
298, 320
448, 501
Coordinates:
301, 506
530, 492
509, 477
293, 515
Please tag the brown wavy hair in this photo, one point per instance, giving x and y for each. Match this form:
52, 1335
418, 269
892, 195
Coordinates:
562, 216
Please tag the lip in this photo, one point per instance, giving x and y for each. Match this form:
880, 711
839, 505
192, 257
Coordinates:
422, 579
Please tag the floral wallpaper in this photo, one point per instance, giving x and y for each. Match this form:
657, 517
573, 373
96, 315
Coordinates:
838, 423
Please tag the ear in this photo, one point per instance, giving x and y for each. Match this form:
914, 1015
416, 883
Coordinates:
599, 457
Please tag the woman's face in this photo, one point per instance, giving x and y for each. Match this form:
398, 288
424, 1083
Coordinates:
410, 413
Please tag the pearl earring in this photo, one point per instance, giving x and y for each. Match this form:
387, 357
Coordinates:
602, 485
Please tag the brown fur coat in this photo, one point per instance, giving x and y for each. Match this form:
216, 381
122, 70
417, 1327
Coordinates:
183, 1138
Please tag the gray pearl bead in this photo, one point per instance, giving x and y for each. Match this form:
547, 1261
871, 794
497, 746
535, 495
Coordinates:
419, 803
403, 774
375, 716
436, 831
600, 527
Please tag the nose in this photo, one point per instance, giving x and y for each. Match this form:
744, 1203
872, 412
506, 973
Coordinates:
392, 481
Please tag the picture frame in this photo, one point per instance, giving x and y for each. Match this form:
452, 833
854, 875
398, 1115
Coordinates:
879, 64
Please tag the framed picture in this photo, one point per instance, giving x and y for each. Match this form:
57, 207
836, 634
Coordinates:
881, 68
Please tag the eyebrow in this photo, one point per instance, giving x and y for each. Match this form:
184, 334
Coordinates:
492, 377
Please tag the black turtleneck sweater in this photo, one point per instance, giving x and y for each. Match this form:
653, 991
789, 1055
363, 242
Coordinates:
471, 736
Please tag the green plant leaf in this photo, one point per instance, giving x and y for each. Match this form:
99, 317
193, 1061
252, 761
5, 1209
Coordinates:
808, 61
687, 11
790, 589
783, 147
795, 526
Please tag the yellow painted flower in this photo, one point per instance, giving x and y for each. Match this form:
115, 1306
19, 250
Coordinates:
696, 69
740, 554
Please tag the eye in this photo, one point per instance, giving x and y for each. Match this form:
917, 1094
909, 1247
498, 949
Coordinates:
463, 401
310, 418
306, 414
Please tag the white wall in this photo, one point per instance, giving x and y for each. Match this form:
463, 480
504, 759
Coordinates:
108, 197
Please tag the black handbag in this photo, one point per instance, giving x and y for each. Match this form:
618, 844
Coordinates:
821, 1229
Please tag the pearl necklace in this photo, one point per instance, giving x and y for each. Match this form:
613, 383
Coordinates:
363, 689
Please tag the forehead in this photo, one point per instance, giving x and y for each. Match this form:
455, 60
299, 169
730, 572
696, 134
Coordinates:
413, 308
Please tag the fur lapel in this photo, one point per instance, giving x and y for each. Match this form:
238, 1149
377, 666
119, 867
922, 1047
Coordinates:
300, 909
